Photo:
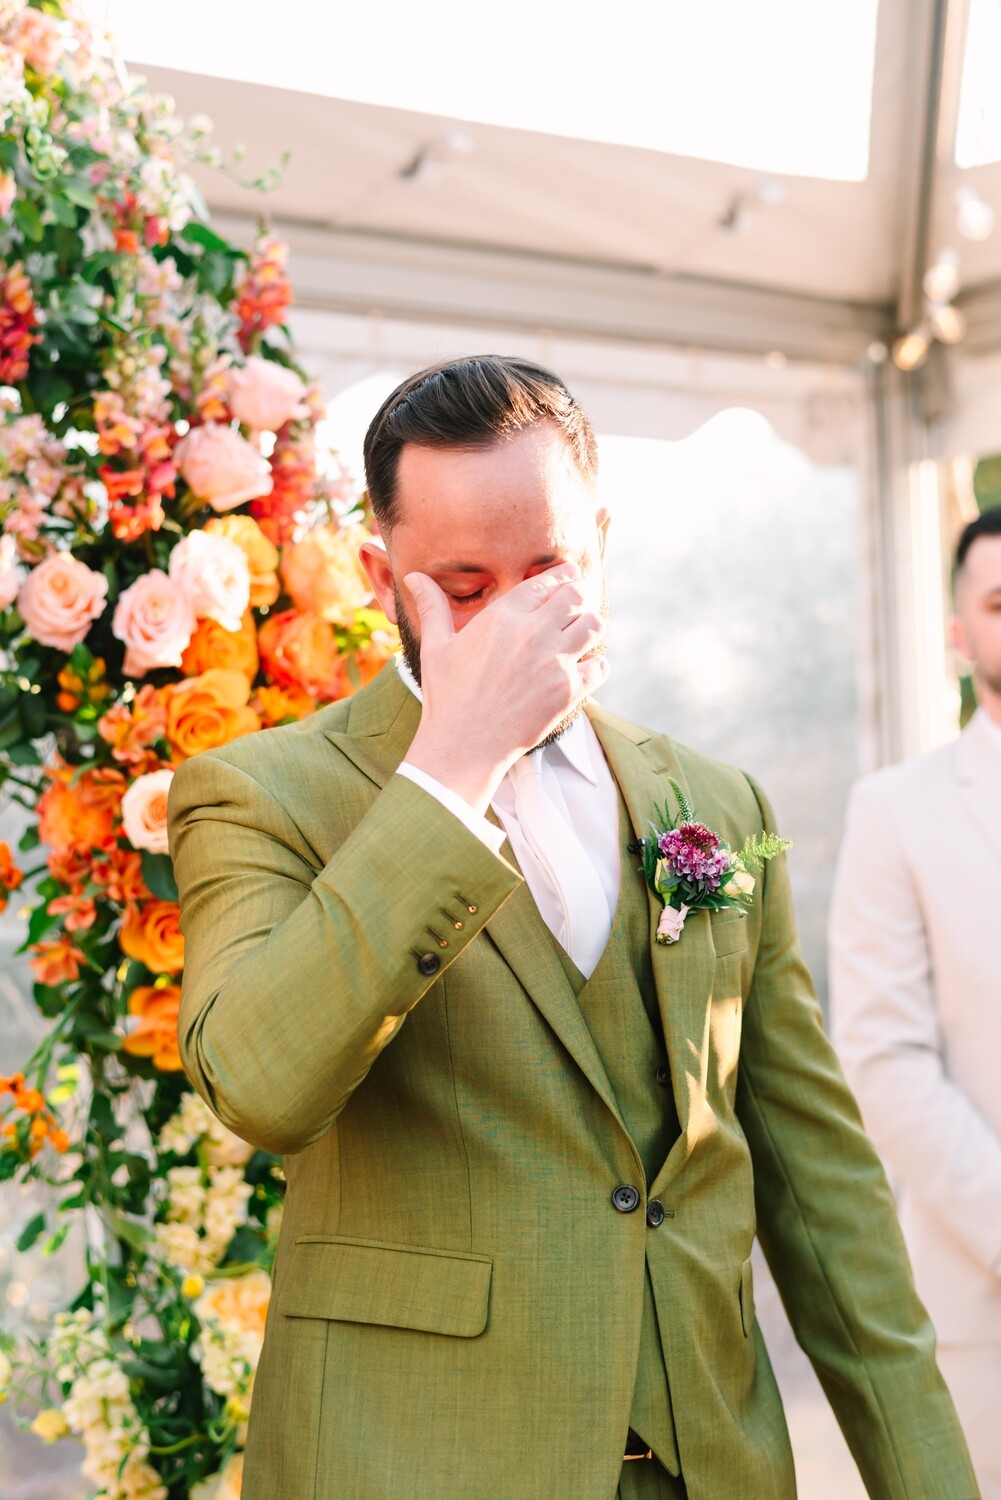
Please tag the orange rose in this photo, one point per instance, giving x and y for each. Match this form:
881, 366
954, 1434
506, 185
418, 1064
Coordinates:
212, 645
156, 1034
277, 705
57, 962
323, 573
262, 556
151, 934
299, 650
209, 710
10, 875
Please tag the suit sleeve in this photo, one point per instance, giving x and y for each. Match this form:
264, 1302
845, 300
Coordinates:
888, 1036
296, 978
828, 1227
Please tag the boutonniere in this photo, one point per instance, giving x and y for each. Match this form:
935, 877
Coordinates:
690, 868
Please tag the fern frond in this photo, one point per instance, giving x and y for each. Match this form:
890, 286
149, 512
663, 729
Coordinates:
761, 847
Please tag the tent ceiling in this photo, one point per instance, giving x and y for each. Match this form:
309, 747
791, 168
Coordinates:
605, 207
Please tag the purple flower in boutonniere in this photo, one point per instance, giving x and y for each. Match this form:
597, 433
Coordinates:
690, 868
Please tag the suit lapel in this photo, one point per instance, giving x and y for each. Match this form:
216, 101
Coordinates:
979, 769
683, 971
381, 724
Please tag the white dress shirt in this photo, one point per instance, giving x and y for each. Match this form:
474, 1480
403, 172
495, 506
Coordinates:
577, 828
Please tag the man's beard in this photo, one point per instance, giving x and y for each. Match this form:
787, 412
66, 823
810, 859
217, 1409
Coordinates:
411, 647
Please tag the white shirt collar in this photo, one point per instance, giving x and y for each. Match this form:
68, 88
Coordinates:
574, 744
992, 727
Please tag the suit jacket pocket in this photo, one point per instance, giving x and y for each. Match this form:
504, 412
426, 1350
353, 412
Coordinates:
729, 932
402, 1286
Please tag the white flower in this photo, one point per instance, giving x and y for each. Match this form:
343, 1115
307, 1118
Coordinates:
216, 574
740, 883
144, 811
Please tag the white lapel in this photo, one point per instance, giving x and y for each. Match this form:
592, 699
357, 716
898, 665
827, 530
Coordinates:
978, 769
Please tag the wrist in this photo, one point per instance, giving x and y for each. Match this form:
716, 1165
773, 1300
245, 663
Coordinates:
473, 779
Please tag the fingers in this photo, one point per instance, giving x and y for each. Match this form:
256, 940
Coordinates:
533, 592
582, 634
593, 671
432, 608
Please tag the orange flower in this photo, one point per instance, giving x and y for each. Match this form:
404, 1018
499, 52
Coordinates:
41, 1126
127, 241
323, 573
209, 710
56, 962
10, 875
261, 555
77, 816
130, 729
156, 1034
88, 691
151, 934
212, 645
263, 298
121, 876
17, 320
80, 911
277, 705
299, 650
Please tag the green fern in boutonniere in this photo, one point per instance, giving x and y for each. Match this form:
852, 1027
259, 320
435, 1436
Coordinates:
690, 868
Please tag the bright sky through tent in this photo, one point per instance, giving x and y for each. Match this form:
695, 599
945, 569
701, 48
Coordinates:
777, 86
978, 127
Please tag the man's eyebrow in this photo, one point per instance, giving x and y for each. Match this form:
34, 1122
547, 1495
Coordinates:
545, 561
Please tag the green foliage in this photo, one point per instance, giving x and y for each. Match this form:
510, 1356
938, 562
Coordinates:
761, 847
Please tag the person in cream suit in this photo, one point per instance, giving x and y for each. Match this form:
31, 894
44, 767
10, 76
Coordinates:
527, 1147
916, 1004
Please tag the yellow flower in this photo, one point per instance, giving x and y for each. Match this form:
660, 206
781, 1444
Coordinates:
50, 1425
192, 1287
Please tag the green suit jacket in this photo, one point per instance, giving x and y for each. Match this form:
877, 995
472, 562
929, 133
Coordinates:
457, 1303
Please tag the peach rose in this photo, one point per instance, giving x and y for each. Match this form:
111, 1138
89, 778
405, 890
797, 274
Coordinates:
151, 934
38, 41
239, 1303
155, 1035
214, 572
8, 192
265, 394
9, 580
300, 651
155, 618
261, 555
227, 1484
323, 573
208, 711
221, 467
144, 811
212, 646
60, 599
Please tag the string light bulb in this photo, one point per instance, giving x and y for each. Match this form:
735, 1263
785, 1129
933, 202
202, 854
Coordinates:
911, 351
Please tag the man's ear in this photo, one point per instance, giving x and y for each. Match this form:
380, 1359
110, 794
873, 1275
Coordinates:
375, 560
603, 519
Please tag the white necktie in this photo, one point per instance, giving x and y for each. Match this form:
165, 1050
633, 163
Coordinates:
565, 864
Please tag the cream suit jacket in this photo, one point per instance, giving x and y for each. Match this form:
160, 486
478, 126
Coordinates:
916, 1007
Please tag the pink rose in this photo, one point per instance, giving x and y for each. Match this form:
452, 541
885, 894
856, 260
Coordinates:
264, 394
38, 41
216, 574
672, 920
156, 619
8, 192
60, 599
144, 811
9, 580
221, 467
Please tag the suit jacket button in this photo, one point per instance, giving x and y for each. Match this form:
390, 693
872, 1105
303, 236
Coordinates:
429, 963
625, 1198
655, 1213
663, 1076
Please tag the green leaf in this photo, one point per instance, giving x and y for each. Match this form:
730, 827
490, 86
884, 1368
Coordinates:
200, 234
30, 838
55, 1241
28, 219
158, 873
32, 1231
24, 754
62, 210
77, 192
132, 1231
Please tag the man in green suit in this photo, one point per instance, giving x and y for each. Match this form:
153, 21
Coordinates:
527, 1147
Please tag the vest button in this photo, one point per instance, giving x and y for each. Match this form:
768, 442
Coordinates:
663, 1076
625, 1198
655, 1213
429, 963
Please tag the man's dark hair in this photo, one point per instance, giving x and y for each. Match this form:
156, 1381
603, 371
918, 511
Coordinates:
469, 403
988, 523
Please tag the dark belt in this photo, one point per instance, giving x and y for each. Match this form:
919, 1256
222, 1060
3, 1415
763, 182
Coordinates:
635, 1447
